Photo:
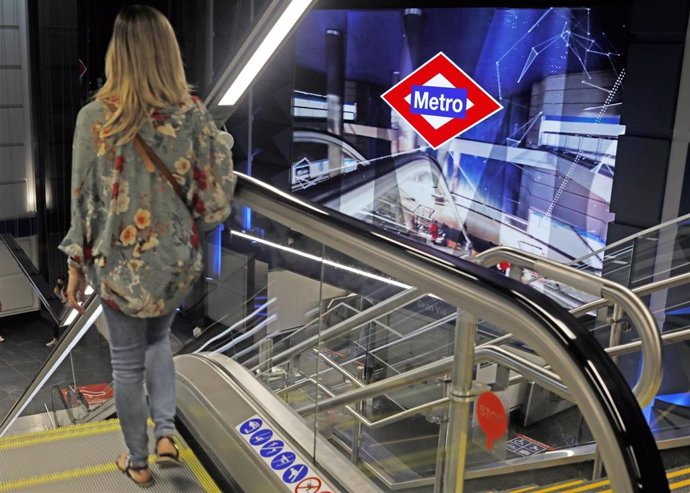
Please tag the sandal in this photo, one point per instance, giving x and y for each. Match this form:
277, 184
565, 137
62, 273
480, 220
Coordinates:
166, 459
125, 466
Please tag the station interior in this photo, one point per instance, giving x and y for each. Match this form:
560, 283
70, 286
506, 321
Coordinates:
455, 261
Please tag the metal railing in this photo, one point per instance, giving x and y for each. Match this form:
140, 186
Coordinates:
558, 341
619, 429
628, 302
509, 359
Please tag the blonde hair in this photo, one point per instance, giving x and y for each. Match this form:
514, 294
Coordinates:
144, 71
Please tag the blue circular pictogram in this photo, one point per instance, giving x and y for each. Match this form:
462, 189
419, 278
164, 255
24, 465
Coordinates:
272, 448
261, 437
296, 473
283, 461
250, 426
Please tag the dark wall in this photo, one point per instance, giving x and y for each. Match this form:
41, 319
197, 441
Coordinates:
54, 35
657, 36
262, 123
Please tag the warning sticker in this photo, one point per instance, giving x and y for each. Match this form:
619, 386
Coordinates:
285, 463
525, 446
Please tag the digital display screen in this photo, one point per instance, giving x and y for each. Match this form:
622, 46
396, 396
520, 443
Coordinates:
535, 174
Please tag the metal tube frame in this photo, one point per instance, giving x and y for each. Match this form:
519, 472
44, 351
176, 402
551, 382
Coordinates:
383, 308
461, 397
652, 363
357, 428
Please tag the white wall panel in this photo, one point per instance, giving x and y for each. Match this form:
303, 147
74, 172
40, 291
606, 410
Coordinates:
10, 86
9, 11
16, 293
9, 47
16, 173
11, 125
13, 203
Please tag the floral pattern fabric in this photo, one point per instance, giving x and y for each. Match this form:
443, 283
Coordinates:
134, 238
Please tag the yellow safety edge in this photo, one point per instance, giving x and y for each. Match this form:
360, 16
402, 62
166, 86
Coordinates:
57, 434
84, 430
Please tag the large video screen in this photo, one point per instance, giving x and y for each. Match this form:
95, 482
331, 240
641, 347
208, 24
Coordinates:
464, 128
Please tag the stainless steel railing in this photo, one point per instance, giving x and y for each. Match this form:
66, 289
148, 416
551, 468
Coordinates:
430, 274
652, 364
538, 327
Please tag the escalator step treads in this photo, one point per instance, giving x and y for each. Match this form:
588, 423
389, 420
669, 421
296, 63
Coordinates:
679, 481
82, 458
523, 489
562, 487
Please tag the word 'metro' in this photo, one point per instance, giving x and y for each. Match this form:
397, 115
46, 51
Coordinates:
450, 102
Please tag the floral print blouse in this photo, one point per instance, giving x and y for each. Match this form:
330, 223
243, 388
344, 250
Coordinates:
131, 234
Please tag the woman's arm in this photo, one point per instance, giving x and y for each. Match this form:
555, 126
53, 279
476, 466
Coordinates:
77, 242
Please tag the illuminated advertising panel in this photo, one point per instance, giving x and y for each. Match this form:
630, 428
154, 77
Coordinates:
466, 127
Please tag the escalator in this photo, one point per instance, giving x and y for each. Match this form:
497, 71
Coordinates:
217, 401
356, 351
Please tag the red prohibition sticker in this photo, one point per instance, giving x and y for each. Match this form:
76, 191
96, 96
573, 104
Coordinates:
492, 417
309, 485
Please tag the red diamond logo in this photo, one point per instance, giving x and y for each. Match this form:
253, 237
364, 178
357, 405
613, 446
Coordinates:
441, 101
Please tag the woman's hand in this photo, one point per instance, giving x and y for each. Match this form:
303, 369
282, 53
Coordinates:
76, 285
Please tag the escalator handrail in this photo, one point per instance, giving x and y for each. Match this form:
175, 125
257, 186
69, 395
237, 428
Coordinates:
40, 286
609, 407
649, 381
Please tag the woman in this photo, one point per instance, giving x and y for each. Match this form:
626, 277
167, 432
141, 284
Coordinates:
149, 170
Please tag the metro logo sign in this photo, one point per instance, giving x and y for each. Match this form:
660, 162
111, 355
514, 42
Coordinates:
441, 101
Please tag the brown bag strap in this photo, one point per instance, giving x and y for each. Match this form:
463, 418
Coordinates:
146, 152
150, 157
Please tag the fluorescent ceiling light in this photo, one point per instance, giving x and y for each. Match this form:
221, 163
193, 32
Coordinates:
270, 43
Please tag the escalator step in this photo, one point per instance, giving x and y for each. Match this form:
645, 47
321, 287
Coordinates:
82, 458
590, 487
561, 487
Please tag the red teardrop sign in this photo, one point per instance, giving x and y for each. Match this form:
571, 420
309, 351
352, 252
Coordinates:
492, 417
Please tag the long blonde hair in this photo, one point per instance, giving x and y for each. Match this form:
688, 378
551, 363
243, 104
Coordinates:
144, 70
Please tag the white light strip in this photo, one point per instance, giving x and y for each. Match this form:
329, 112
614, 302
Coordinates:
70, 318
73, 314
58, 362
244, 336
279, 192
235, 325
330, 263
270, 43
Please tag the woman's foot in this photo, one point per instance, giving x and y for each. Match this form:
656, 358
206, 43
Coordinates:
2, 339
52, 342
140, 475
167, 452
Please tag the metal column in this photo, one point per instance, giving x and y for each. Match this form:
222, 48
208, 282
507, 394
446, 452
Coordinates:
460, 403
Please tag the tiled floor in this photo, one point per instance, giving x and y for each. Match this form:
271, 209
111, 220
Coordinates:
24, 352
21, 355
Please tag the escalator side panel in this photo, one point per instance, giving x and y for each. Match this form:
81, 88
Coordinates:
211, 429
216, 396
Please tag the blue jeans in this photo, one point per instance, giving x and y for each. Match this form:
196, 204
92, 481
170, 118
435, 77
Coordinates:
140, 351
